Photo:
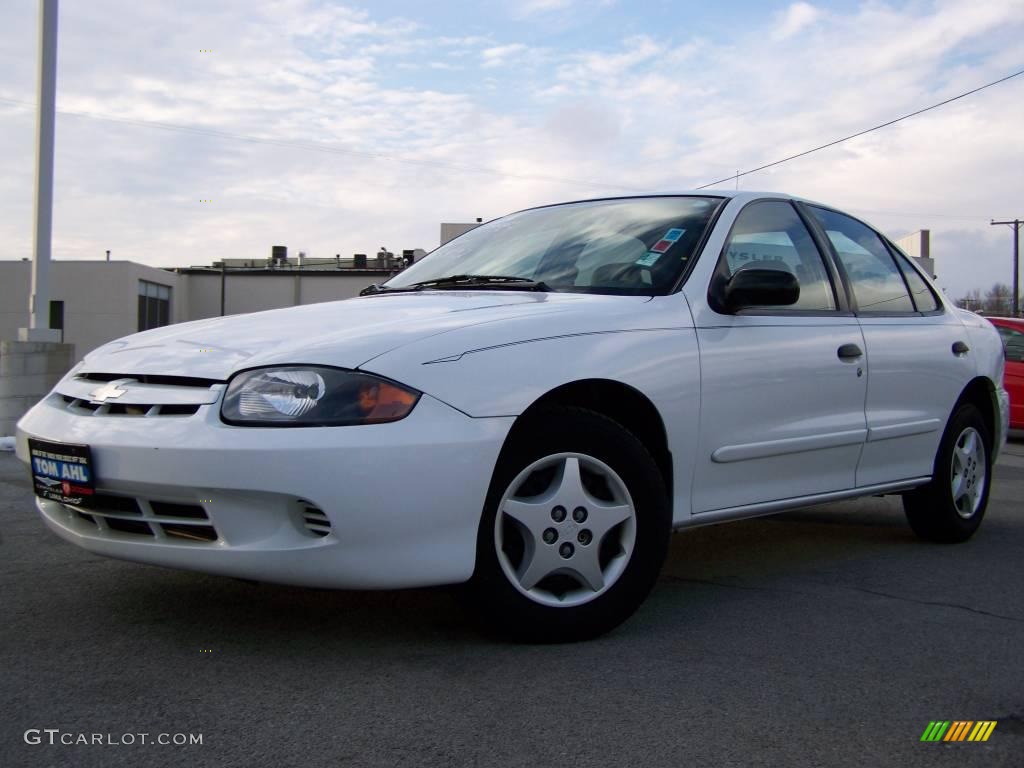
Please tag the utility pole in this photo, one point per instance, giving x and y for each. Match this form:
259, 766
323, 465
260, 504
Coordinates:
39, 303
1016, 224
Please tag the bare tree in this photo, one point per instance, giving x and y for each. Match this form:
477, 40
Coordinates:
971, 301
999, 300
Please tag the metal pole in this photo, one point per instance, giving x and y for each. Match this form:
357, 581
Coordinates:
1016, 224
1016, 268
223, 286
45, 117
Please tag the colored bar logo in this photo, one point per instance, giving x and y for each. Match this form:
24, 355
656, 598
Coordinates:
958, 730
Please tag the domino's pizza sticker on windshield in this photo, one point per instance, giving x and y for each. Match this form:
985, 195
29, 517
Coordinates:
648, 259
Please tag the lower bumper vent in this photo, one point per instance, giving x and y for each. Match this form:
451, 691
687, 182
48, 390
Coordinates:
315, 520
141, 517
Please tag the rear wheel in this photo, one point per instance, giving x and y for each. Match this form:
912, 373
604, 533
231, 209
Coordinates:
950, 508
574, 532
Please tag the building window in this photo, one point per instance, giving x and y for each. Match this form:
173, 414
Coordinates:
57, 317
154, 305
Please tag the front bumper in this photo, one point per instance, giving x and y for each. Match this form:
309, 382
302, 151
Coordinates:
402, 501
1003, 403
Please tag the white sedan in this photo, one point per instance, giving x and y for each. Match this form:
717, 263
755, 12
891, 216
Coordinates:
533, 409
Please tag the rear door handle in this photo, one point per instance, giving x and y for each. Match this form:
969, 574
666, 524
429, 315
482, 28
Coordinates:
849, 352
960, 349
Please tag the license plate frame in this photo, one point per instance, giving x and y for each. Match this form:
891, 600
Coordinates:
62, 472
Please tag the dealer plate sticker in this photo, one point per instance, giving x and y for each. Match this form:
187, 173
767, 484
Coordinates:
61, 472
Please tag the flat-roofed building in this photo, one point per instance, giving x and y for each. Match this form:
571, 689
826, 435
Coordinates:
93, 302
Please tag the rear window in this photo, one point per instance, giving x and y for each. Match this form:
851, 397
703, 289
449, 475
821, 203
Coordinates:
877, 282
922, 294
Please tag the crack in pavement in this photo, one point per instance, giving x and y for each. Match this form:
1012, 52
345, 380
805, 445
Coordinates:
979, 611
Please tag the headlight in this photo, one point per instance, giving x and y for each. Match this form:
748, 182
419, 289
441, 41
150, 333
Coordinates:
313, 396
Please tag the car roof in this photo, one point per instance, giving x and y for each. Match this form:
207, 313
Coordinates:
740, 195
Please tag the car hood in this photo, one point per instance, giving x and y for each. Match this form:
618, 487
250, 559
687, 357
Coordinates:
341, 333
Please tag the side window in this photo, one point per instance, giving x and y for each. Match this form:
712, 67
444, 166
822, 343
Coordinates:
924, 297
1013, 344
770, 235
876, 281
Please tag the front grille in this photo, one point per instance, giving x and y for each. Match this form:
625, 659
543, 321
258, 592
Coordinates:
138, 395
314, 520
174, 410
85, 408
106, 504
129, 526
142, 378
167, 509
163, 520
189, 532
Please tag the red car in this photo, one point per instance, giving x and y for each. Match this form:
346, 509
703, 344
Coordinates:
1012, 333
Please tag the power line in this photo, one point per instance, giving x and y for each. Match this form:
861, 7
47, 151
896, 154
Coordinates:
319, 147
886, 124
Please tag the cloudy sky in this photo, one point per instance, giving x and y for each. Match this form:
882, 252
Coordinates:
335, 127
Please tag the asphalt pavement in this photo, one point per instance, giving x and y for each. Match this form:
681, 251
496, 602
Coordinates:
824, 637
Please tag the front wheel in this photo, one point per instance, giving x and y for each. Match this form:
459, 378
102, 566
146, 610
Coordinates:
950, 508
574, 532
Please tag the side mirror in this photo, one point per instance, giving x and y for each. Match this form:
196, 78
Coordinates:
755, 287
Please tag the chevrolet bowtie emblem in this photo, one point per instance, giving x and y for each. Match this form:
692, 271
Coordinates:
109, 391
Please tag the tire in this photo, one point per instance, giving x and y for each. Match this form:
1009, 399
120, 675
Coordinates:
950, 508
547, 571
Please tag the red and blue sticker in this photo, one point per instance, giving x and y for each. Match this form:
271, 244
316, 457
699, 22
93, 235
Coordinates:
667, 241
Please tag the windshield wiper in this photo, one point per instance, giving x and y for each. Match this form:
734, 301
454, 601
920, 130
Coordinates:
492, 282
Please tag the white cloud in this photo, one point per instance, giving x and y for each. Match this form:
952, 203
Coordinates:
530, 7
664, 110
586, 68
796, 18
499, 55
527, 8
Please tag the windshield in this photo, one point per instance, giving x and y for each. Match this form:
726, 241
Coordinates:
630, 246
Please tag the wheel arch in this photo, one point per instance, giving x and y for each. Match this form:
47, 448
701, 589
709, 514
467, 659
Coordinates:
981, 393
623, 404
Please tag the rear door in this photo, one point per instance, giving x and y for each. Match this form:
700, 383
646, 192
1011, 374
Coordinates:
782, 389
918, 359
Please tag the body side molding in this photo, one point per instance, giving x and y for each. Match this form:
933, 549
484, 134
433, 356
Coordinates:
745, 451
906, 429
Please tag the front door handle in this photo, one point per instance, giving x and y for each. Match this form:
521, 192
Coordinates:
849, 352
960, 349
